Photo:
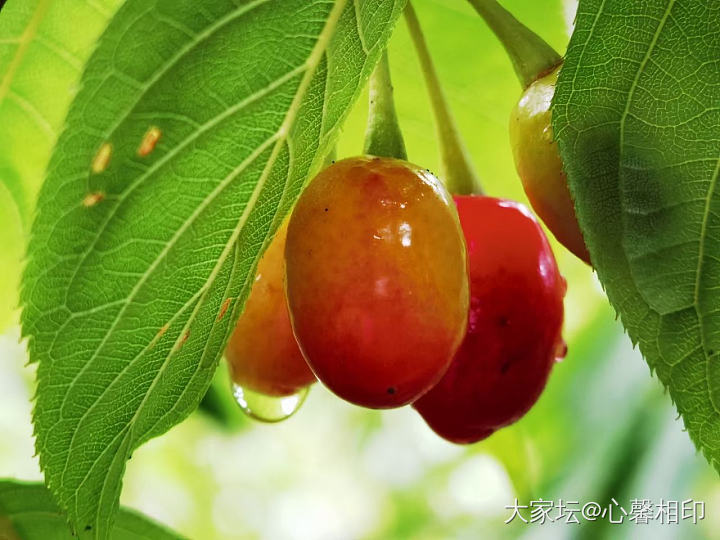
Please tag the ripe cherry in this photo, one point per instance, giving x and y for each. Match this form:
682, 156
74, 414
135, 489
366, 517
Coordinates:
262, 351
539, 165
377, 280
514, 329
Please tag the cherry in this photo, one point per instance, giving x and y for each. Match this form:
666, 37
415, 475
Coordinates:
514, 329
539, 165
377, 280
262, 351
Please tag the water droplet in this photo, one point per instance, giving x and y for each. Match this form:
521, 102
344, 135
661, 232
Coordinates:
268, 408
561, 350
563, 285
149, 140
102, 158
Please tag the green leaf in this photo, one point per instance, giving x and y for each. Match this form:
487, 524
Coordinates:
40, 61
219, 403
27, 512
636, 114
135, 254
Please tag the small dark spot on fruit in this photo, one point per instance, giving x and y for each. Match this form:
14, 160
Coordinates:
326, 209
391, 390
503, 321
505, 367
88, 527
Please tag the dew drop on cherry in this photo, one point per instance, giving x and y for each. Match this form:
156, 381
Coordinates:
269, 409
561, 350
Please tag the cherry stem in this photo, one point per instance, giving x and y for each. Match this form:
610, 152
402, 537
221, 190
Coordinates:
383, 137
530, 54
455, 166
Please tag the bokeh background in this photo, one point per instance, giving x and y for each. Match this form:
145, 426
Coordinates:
603, 428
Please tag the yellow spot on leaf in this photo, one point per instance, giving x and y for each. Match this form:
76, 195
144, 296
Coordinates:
160, 334
91, 199
147, 145
102, 158
183, 340
224, 308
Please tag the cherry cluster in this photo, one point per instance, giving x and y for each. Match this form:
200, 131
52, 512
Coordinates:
391, 292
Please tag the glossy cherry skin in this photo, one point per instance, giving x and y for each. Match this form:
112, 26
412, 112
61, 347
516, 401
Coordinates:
514, 329
377, 280
262, 352
539, 166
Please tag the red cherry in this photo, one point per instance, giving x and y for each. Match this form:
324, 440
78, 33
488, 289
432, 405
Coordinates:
538, 163
377, 280
262, 352
514, 329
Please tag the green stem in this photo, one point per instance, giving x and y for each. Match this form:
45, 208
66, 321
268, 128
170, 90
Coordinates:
530, 55
455, 167
383, 136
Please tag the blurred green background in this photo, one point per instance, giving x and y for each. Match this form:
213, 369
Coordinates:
603, 428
